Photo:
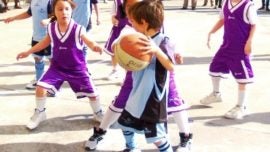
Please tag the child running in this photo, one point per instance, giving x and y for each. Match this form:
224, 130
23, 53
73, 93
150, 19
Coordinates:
38, 10
119, 21
239, 20
67, 39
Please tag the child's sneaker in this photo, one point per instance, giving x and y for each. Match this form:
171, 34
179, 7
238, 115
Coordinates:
38, 117
132, 150
32, 85
211, 98
93, 141
98, 116
113, 75
185, 143
236, 112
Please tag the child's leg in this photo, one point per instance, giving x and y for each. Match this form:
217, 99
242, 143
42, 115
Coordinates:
240, 110
216, 84
39, 114
40, 98
109, 118
39, 67
96, 107
241, 95
181, 119
130, 140
215, 95
164, 145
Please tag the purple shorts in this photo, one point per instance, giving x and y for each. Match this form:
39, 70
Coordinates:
239, 65
120, 101
79, 81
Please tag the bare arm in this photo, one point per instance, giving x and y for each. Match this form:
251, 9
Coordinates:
21, 16
216, 27
91, 44
164, 60
151, 48
36, 48
248, 45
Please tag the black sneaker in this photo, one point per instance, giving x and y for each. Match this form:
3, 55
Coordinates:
185, 143
93, 141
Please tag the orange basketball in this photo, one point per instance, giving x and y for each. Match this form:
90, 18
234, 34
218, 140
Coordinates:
128, 53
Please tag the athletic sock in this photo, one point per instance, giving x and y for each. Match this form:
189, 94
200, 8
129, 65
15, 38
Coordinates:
109, 118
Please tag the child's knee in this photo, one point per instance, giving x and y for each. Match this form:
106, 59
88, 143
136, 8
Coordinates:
40, 91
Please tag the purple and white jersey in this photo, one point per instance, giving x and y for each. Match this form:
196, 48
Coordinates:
67, 47
237, 24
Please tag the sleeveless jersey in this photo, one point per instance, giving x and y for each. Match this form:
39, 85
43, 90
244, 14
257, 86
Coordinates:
67, 47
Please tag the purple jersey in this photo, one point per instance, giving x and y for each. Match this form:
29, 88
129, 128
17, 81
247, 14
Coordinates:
236, 30
116, 30
67, 47
68, 62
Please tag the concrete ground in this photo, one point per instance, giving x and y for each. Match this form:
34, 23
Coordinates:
70, 122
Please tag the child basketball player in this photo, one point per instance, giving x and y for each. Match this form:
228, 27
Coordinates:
176, 105
238, 18
146, 108
119, 21
38, 10
68, 39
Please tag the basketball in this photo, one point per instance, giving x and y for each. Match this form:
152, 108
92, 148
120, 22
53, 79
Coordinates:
128, 53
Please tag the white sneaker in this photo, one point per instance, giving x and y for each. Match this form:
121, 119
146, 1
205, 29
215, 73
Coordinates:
113, 75
98, 116
211, 98
32, 85
35, 120
236, 113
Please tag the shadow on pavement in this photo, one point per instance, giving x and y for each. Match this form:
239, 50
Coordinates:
262, 118
57, 124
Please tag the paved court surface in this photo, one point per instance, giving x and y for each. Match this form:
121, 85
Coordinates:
69, 120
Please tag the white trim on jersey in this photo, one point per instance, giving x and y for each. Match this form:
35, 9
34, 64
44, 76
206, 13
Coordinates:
78, 37
50, 34
233, 8
250, 14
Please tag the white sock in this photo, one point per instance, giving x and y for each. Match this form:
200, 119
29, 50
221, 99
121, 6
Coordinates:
40, 103
181, 119
241, 98
95, 105
109, 118
215, 83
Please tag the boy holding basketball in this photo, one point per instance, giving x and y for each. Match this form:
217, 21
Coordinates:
176, 105
146, 107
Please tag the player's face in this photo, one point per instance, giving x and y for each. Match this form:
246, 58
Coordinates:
63, 12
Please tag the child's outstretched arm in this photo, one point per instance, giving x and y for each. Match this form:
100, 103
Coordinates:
21, 16
36, 48
216, 27
91, 44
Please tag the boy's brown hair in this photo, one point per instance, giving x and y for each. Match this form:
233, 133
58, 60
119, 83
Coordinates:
152, 11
